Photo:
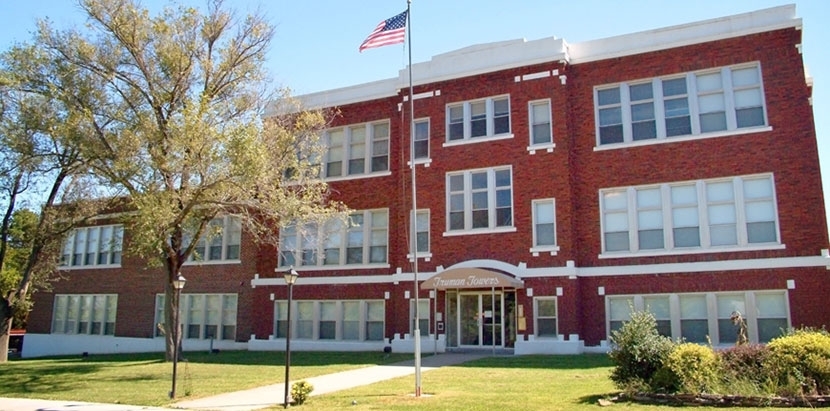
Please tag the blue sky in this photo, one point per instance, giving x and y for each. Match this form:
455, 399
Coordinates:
316, 43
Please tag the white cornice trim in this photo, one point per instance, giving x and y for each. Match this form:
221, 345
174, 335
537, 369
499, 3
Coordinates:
522, 272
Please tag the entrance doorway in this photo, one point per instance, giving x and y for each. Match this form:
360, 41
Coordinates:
481, 319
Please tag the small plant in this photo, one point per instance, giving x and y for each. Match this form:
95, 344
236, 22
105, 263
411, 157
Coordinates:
638, 352
300, 391
800, 362
696, 367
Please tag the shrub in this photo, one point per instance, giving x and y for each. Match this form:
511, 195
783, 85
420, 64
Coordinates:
695, 366
800, 362
745, 362
638, 352
300, 391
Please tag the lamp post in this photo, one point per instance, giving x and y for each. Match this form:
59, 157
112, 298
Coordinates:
290, 278
178, 284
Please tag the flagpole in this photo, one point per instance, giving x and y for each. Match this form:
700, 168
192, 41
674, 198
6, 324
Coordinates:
414, 215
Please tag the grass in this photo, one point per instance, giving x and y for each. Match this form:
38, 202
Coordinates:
502, 383
145, 379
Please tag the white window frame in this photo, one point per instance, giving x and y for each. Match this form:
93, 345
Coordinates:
228, 238
692, 96
424, 316
421, 138
375, 227
467, 120
492, 207
537, 316
422, 226
536, 249
374, 147
78, 314
533, 121
316, 318
748, 300
85, 246
227, 316
706, 246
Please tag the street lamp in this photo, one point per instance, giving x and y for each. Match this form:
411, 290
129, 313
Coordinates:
290, 278
178, 284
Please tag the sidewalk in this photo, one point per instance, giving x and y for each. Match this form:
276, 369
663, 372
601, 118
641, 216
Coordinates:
271, 395
257, 398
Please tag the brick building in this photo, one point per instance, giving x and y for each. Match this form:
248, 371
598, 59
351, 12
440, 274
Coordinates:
557, 186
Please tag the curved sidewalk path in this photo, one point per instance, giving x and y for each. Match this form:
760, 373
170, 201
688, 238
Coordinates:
271, 395
257, 398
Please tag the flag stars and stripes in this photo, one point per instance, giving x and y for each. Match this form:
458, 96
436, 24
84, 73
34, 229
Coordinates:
388, 32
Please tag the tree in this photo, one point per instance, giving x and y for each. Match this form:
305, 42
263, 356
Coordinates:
35, 163
173, 113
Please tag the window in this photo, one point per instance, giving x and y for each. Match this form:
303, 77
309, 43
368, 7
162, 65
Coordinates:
92, 314
545, 315
488, 117
544, 225
93, 246
698, 215
363, 240
480, 200
203, 316
423, 316
364, 146
347, 320
421, 139
711, 101
704, 317
541, 132
221, 241
422, 235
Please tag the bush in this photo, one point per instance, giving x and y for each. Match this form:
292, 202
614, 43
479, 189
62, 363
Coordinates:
745, 362
695, 366
799, 363
300, 391
638, 352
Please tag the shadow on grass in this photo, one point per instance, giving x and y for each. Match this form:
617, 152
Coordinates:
44, 378
558, 362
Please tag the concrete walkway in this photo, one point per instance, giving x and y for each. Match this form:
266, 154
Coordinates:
257, 398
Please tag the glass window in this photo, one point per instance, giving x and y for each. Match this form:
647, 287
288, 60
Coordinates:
92, 314
739, 212
362, 240
727, 306
480, 199
694, 324
375, 316
305, 319
479, 118
544, 223
423, 316
658, 306
351, 320
728, 98
772, 315
365, 146
421, 139
93, 246
620, 309
328, 320
546, 324
540, 123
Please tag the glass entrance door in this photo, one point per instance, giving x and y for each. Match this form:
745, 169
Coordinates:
480, 320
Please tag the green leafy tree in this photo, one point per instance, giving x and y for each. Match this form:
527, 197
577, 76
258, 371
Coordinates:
176, 115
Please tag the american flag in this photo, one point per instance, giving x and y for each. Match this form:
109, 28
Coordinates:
389, 31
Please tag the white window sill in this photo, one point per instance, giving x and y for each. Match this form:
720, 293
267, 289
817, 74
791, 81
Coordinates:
335, 267
480, 231
421, 256
536, 251
676, 139
358, 176
213, 262
88, 267
680, 251
474, 140
425, 161
539, 147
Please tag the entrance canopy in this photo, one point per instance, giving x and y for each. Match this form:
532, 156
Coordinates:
470, 278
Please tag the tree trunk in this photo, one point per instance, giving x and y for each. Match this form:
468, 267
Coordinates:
6, 318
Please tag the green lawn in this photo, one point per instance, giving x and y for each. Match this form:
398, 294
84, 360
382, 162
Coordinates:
145, 379
494, 383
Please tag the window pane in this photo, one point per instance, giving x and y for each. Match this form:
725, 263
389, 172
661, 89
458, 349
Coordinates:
712, 122
546, 308
641, 92
758, 188
750, 117
761, 232
546, 327
721, 191
608, 96
687, 237
745, 77
709, 82
769, 328
650, 239
723, 235
615, 200
674, 87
